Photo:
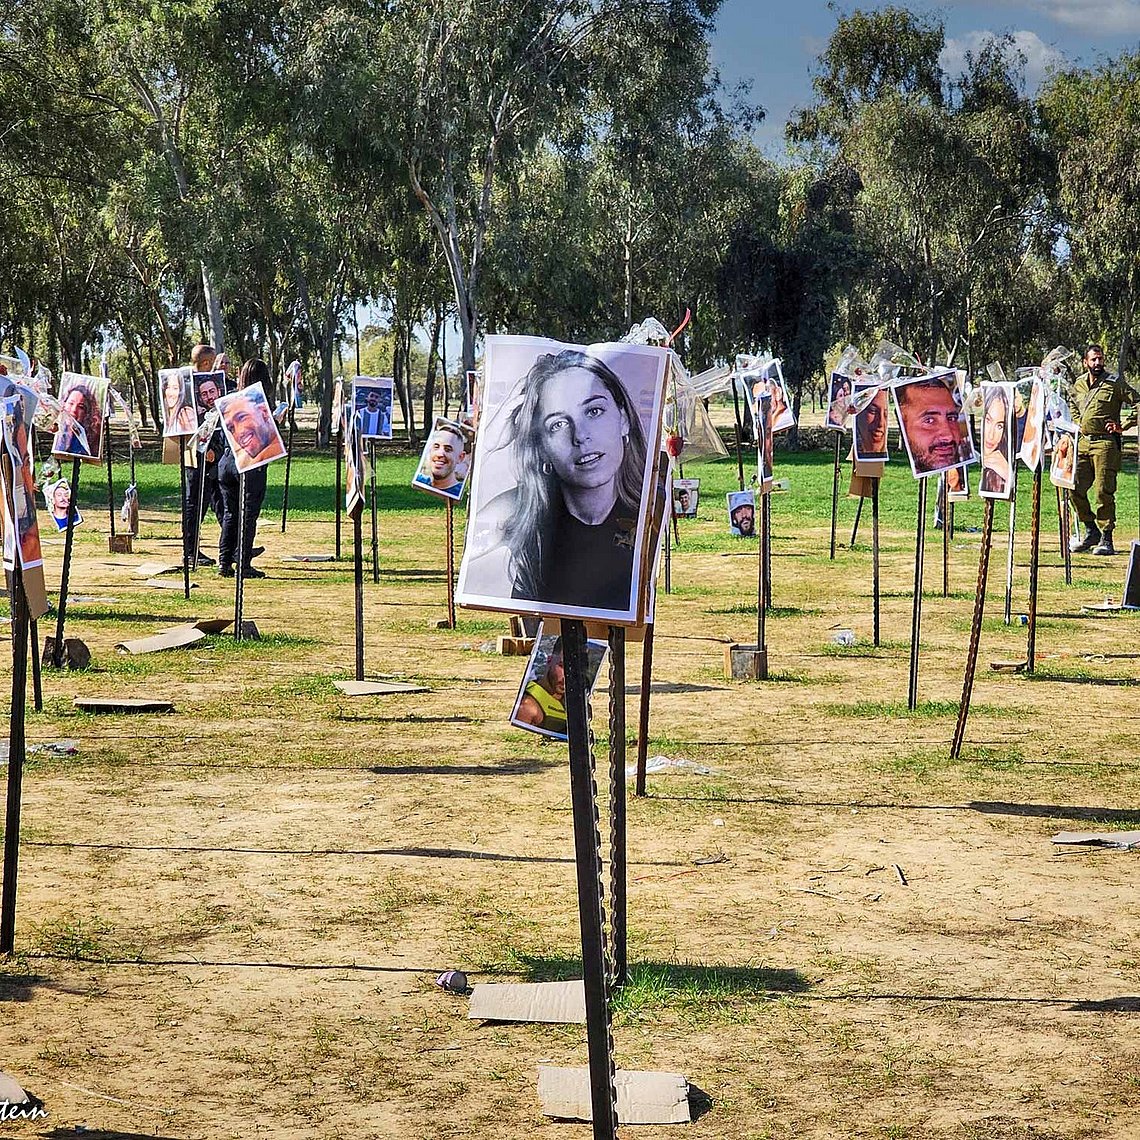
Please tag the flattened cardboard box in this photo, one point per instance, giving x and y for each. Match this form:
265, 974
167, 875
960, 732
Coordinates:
642, 1098
554, 1003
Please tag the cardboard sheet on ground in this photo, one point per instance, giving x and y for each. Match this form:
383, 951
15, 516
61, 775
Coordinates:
377, 688
1125, 840
174, 638
642, 1098
168, 583
308, 558
122, 705
552, 1003
154, 569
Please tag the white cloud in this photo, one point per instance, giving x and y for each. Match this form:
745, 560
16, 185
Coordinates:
1098, 17
1039, 56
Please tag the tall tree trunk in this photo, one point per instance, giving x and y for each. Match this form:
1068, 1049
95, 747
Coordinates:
1123, 359
432, 368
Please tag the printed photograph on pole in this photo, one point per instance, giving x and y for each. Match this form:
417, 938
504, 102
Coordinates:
1063, 466
838, 399
337, 405
770, 382
563, 478
445, 460
933, 423
355, 473
686, 498
957, 484
742, 513
763, 417
79, 427
997, 476
20, 495
247, 421
372, 404
177, 399
57, 498
1030, 449
208, 388
870, 435
539, 705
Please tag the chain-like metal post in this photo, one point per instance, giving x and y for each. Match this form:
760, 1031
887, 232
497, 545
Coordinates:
975, 630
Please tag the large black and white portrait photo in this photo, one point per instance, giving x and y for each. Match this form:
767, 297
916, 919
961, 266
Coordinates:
564, 457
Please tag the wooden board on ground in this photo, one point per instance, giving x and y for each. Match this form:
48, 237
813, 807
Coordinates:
168, 583
642, 1098
122, 705
378, 688
154, 569
551, 1003
176, 637
308, 558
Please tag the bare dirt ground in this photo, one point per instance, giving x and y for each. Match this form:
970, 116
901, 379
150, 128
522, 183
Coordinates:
230, 919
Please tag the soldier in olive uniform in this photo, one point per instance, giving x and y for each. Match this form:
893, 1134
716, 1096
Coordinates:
1099, 398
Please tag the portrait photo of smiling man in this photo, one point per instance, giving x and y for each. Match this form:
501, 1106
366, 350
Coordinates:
564, 462
933, 423
444, 462
250, 431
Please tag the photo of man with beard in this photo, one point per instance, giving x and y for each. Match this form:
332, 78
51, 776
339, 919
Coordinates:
933, 424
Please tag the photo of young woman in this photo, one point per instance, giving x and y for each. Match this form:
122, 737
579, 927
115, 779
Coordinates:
79, 429
1063, 468
564, 458
997, 435
176, 396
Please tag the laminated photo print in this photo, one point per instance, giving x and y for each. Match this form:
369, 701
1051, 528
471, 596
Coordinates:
79, 428
445, 460
686, 498
870, 435
770, 382
764, 412
1022, 393
957, 484
539, 706
933, 423
838, 398
372, 404
742, 513
176, 398
57, 497
337, 404
1063, 466
247, 421
1030, 450
208, 387
474, 399
563, 477
355, 469
997, 476
21, 527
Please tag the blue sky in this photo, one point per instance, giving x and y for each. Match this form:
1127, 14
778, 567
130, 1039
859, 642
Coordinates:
775, 43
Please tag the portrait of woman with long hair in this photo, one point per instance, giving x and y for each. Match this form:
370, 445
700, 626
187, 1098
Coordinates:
997, 458
562, 465
82, 404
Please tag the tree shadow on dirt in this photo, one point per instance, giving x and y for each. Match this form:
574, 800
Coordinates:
21, 986
670, 983
101, 1134
1108, 1005
516, 768
1059, 678
1058, 811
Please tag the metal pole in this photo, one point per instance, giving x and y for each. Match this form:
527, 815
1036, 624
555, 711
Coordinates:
643, 709
110, 474
1009, 552
739, 436
1066, 533
618, 907
37, 677
68, 542
450, 564
587, 851
239, 571
668, 561
835, 496
766, 546
337, 506
1034, 564
875, 581
199, 508
288, 465
858, 515
375, 532
185, 557
358, 582
19, 608
916, 612
944, 510
975, 630
761, 604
